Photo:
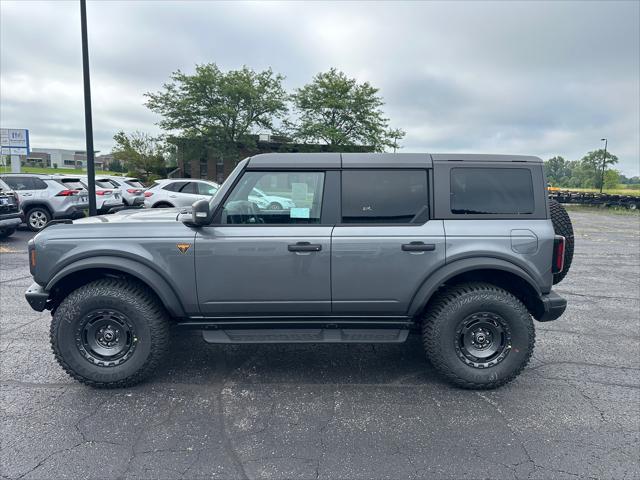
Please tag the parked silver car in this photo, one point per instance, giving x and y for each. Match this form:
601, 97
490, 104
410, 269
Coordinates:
108, 197
47, 197
131, 189
182, 192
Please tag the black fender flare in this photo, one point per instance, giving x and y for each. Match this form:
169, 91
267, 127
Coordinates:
450, 270
136, 269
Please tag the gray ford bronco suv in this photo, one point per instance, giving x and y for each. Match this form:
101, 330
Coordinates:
464, 249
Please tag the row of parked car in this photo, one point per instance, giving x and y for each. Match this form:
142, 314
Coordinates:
38, 199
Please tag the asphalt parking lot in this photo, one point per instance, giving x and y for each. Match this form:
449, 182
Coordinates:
342, 411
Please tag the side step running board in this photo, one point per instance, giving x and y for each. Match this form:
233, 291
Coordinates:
307, 335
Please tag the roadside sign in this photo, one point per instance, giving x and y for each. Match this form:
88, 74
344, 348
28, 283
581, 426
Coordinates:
14, 141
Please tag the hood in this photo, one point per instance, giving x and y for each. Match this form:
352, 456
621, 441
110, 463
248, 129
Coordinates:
137, 216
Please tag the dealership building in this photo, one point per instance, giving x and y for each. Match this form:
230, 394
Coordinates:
63, 158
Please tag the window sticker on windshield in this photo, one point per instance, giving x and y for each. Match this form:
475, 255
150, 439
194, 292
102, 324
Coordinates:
298, 212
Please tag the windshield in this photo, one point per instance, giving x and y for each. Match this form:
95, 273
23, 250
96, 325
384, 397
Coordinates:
228, 183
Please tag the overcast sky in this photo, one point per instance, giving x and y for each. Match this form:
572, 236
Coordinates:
506, 77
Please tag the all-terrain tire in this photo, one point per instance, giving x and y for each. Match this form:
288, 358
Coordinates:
562, 226
455, 306
148, 335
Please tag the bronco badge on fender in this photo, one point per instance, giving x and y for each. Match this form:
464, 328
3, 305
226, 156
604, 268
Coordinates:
183, 247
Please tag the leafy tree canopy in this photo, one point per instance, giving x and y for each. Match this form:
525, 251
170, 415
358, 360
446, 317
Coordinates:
227, 106
140, 153
339, 111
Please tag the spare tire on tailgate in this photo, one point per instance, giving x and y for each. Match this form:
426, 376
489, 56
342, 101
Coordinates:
562, 226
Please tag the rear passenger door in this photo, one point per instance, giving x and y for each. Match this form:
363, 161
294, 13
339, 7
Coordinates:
385, 245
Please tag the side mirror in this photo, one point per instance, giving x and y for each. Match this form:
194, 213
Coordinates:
200, 213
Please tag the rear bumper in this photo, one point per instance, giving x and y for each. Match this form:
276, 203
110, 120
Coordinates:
110, 207
554, 307
37, 297
71, 213
10, 220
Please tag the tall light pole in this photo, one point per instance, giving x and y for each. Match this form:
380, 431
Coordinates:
88, 121
604, 161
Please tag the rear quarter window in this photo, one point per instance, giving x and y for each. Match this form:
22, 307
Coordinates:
479, 191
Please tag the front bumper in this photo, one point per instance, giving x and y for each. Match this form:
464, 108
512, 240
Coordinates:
37, 297
554, 306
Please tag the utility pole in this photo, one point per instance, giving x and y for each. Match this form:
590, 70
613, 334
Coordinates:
604, 162
88, 121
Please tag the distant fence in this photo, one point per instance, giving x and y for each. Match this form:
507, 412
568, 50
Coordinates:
596, 199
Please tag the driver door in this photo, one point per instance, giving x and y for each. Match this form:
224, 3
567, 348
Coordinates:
258, 262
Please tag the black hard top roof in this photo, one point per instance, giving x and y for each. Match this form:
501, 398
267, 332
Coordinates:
374, 160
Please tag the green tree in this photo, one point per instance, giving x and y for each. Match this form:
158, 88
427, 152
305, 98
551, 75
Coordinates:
592, 162
116, 166
140, 153
339, 111
611, 178
225, 107
557, 171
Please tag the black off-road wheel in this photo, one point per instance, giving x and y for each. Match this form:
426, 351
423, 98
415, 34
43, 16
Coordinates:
562, 226
110, 333
478, 336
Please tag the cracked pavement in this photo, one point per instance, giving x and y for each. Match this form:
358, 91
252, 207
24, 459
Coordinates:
340, 411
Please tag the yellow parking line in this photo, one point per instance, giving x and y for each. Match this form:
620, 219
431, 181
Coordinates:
7, 250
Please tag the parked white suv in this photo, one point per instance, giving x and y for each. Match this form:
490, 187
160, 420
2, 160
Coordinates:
182, 192
131, 189
108, 197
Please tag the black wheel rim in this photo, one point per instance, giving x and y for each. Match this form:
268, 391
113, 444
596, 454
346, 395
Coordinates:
483, 340
106, 338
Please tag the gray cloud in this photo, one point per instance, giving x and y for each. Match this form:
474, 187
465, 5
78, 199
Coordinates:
540, 78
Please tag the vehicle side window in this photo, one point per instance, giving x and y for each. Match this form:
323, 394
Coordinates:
276, 198
491, 191
384, 196
174, 186
189, 187
19, 183
38, 184
206, 189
